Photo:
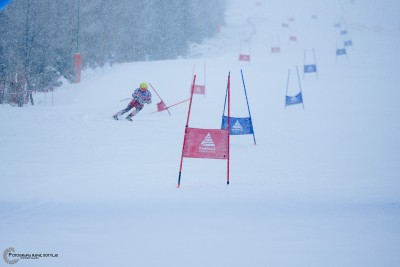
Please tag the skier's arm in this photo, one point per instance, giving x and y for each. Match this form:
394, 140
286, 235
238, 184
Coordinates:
149, 100
135, 95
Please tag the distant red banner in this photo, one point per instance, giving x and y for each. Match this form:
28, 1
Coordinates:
199, 89
275, 49
244, 57
206, 143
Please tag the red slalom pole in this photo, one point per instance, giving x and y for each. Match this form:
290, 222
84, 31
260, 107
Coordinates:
78, 67
179, 103
229, 126
159, 98
186, 126
174, 104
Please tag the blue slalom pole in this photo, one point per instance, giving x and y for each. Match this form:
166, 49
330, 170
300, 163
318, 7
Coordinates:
315, 62
226, 94
248, 106
223, 112
298, 78
287, 86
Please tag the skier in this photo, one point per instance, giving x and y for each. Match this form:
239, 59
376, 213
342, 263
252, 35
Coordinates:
140, 97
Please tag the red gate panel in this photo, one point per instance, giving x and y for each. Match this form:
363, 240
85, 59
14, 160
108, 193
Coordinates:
199, 89
206, 143
161, 106
244, 57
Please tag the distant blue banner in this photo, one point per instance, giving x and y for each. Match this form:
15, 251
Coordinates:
4, 3
310, 68
341, 51
343, 32
293, 100
239, 126
348, 43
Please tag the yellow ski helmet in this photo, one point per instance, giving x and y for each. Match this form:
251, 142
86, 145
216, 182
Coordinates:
143, 86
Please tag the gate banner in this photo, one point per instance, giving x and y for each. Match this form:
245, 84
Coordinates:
310, 68
341, 51
348, 43
199, 89
239, 126
161, 106
244, 57
275, 49
206, 143
293, 100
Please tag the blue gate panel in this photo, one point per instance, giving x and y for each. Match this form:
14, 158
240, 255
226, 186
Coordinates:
238, 126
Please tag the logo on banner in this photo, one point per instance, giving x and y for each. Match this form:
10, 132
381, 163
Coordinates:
237, 127
207, 145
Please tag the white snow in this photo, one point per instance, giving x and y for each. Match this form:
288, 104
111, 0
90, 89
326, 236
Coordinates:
320, 188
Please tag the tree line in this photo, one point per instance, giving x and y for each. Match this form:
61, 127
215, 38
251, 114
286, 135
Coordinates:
39, 38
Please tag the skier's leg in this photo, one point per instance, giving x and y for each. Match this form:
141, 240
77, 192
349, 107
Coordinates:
119, 113
133, 113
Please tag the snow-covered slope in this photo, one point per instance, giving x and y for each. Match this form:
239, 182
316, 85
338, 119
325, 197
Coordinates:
320, 188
